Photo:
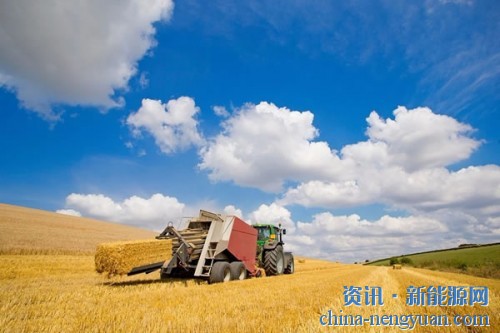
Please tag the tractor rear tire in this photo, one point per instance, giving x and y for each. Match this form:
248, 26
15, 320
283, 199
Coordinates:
290, 264
221, 272
238, 270
274, 261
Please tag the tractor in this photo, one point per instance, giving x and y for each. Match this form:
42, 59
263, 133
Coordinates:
270, 254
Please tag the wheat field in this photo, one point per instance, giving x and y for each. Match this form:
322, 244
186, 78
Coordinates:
33, 231
63, 293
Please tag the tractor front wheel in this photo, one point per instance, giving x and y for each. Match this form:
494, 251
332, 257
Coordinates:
274, 261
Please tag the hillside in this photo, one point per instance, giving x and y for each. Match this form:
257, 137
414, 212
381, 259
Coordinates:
481, 260
32, 231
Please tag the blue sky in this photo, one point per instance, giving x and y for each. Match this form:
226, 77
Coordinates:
367, 128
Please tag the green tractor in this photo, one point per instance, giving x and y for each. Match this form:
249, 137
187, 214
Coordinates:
270, 254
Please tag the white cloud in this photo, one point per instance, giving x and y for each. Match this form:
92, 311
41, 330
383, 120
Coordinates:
263, 146
419, 138
173, 125
493, 225
221, 111
232, 210
154, 212
350, 238
70, 212
77, 53
473, 189
386, 226
272, 214
403, 164
96, 205
328, 194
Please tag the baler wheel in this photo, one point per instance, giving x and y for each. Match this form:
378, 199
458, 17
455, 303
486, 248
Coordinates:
221, 272
274, 261
238, 270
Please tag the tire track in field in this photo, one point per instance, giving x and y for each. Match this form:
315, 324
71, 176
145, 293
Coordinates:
466, 280
404, 281
374, 277
395, 282
411, 277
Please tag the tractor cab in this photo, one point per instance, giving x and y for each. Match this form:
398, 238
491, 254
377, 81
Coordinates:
268, 233
264, 232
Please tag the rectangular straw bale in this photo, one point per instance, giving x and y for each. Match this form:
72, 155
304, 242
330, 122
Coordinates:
118, 258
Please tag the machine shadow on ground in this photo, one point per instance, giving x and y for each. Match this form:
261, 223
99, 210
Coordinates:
174, 282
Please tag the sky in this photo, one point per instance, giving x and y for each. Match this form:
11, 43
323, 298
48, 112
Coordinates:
366, 128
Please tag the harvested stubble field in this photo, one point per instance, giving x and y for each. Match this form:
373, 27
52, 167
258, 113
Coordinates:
33, 231
63, 293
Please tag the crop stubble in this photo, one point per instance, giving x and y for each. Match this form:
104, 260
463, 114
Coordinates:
63, 293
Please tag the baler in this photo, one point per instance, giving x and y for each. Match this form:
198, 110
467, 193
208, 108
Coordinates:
221, 248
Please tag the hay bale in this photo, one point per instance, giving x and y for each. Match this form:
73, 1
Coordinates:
118, 258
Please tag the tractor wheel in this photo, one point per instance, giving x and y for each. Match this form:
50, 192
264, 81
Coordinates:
290, 264
238, 270
274, 261
220, 272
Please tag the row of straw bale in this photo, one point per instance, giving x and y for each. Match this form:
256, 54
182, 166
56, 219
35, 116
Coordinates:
118, 258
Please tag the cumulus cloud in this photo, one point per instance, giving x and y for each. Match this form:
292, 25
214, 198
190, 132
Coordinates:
472, 189
70, 212
351, 238
232, 210
173, 125
264, 145
153, 212
318, 193
404, 164
386, 226
411, 139
273, 214
77, 53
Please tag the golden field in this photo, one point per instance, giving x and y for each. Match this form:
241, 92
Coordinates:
63, 293
33, 231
